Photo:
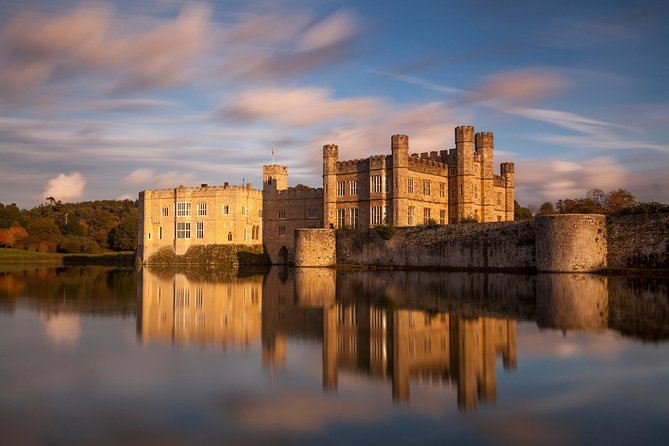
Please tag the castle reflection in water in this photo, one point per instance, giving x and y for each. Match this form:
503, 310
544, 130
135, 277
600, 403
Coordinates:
358, 336
393, 326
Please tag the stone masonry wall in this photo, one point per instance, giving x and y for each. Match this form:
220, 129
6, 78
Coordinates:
503, 245
638, 241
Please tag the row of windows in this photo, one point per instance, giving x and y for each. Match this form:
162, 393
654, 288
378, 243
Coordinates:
427, 187
311, 213
183, 209
352, 188
184, 231
353, 215
427, 216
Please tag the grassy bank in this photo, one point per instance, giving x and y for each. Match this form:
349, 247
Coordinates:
8, 255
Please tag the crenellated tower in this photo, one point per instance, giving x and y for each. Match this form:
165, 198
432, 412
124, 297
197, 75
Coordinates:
507, 171
483, 197
274, 177
399, 146
330, 156
461, 204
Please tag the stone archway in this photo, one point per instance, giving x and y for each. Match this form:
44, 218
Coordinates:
283, 255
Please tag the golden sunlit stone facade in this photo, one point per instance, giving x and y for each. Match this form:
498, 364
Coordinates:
400, 189
184, 216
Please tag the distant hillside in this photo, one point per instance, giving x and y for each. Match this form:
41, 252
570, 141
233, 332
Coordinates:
87, 227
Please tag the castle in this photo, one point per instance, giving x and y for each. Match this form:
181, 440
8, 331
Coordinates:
401, 189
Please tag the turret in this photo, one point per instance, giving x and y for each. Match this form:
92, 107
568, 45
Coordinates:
507, 171
485, 149
399, 146
274, 177
330, 155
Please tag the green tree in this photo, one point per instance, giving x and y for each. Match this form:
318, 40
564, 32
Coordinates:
521, 213
124, 236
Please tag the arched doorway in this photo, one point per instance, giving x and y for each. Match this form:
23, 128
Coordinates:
283, 255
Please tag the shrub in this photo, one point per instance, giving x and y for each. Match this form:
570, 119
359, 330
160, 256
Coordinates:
386, 232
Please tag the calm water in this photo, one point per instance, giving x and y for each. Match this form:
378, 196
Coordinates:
105, 356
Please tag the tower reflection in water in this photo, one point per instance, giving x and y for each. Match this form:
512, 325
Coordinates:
362, 335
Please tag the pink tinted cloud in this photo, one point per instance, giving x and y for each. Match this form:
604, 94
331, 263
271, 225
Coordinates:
39, 49
522, 86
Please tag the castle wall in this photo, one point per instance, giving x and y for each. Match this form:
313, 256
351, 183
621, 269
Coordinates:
485, 245
315, 247
570, 243
284, 212
242, 224
638, 241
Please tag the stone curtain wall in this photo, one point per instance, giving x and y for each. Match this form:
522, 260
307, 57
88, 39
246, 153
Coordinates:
555, 243
503, 245
638, 241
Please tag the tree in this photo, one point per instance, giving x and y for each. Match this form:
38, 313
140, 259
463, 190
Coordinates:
124, 236
15, 235
3, 238
521, 213
618, 200
546, 209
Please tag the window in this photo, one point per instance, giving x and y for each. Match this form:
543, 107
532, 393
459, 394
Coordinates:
388, 183
410, 185
426, 187
149, 236
377, 183
354, 217
312, 213
426, 216
259, 213
353, 187
245, 210
199, 229
282, 214
442, 217
255, 232
341, 218
166, 212
461, 190
269, 180
183, 230
202, 209
476, 191
377, 216
282, 230
451, 171
499, 198
245, 234
226, 209
340, 189
183, 209
229, 236
385, 215
442, 190
410, 216
160, 233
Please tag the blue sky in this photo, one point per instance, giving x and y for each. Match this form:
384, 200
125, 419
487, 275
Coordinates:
104, 99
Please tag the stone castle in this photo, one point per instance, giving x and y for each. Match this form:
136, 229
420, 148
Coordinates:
400, 189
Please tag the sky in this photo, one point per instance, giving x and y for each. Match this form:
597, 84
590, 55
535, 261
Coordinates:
103, 99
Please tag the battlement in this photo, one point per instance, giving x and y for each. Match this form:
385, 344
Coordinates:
275, 168
297, 192
507, 168
498, 181
330, 150
181, 189
397, 141
484, 140
464, 133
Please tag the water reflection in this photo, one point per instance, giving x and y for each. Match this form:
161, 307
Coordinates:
188, 310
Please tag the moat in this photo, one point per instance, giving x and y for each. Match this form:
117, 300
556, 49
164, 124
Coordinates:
317, 356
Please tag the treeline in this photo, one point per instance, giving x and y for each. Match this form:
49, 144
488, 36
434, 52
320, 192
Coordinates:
90, 227
596, 201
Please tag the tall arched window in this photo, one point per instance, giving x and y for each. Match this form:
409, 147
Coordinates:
229, 236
